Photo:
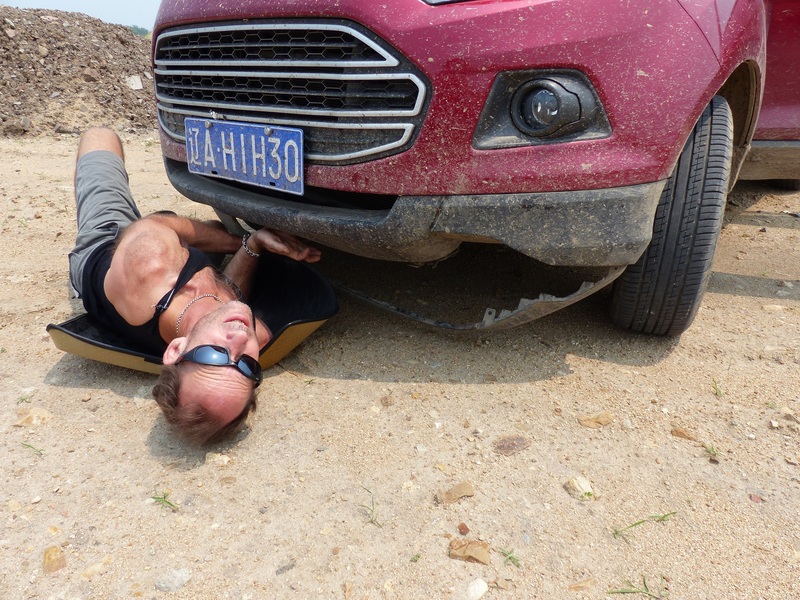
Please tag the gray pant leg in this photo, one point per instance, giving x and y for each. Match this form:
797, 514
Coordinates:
105, 206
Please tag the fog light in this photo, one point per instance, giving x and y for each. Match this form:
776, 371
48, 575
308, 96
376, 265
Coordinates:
543, 106
540, 109
540, 106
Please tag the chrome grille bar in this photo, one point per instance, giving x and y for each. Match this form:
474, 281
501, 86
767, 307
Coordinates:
320, 76
363, 51
408, 98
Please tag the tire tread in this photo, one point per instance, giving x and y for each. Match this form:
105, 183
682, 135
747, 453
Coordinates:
660, 294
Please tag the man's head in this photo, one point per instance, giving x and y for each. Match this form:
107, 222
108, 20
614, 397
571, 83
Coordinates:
207, 386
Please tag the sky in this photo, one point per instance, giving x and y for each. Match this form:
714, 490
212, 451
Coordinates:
139, 12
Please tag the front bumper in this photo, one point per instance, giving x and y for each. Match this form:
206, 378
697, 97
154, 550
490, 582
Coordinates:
604, 227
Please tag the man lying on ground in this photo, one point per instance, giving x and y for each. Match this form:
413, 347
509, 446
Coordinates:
150, 280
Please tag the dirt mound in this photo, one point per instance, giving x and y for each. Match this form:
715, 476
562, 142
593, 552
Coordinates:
62, 72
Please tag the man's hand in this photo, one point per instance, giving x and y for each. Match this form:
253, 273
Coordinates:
285, 244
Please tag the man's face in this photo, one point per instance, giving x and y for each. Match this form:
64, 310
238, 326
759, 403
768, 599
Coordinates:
222, 390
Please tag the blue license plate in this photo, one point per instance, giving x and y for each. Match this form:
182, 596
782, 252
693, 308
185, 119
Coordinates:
262, 155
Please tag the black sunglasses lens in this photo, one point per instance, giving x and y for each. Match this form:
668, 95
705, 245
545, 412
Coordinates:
212, 355
250, 367
219, 356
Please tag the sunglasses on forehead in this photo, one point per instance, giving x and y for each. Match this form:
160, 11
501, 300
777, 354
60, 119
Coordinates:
218, 356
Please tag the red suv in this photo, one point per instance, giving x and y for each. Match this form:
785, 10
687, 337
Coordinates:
592, 133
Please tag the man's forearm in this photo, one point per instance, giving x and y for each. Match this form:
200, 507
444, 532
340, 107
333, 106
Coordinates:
243, 266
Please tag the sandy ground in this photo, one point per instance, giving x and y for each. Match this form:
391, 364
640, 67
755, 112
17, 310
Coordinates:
695, 475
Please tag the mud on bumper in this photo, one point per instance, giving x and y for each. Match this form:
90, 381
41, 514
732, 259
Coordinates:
607, 227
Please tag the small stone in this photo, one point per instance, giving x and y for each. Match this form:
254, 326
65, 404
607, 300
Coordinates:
455, 493
13, 127
510, 444
579, 488
774, 425
583, 585
387, 401
680, 432
61, 128
91, 75
470, 551
476, 589
751, 436
173, 580
134, 82
33, 417
463, 529
596, 421
54, 559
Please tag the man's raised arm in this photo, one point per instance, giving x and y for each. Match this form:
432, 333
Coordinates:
208, 236
244, 263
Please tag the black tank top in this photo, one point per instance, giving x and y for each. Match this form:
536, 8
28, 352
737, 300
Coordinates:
144, 337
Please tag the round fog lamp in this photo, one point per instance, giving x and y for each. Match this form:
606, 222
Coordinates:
544, 107
540, 108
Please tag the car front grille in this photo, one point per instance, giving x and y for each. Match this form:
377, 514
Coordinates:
355, 97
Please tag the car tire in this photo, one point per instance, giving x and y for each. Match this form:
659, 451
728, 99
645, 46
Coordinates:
661, 292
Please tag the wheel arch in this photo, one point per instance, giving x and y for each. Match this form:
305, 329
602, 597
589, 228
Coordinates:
742, 90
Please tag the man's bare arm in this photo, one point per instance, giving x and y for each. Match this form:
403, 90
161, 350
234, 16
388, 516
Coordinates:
208, 236
243, 265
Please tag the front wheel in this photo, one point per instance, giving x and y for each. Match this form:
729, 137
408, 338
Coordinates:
661, 292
